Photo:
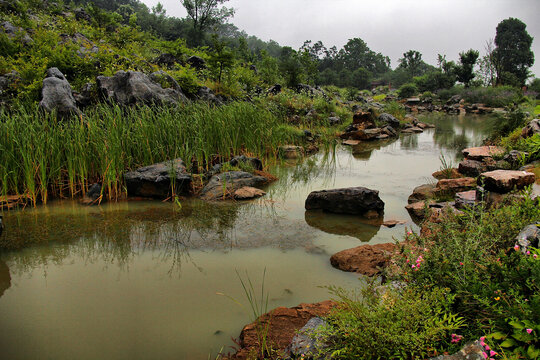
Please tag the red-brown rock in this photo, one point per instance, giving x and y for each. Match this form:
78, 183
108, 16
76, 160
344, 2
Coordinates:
452, 186
481, 152
282, 323
452, 173
503, 181
366, 119
422, 192
417, 210
365, 259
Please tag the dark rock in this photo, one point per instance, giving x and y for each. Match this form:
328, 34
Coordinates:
465, 199
503, 181
238, 161
81, 14
528, 237
291, 151
8, 82
197, 62
166, 81
532, 128
388, 130
282, 324
308, 342
253, 68
87, 96
157, 180
367, 260
223, 186
454, 100
134, 87
471, 351
365, 119
206, 94
417, 210
421, 193
93, 195
389, 119
514, 157
167, 60
57, 95
274, 90
1, 225
334, 120
354, 200
472, 167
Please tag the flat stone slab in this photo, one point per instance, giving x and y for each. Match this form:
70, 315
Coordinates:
481, 152
455, 185
355, 201
465, 199
503, 181
248, 192
472, 167
367, 260
392, 223
351, 142
412, 130
417, 210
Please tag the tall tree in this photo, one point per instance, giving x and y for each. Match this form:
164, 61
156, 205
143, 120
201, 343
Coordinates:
206, 13
411, 61
513, 51
464, 70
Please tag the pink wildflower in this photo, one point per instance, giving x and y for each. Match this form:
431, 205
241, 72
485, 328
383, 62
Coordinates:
529, 331
535, 256
516, 247
484, 354
461, 263
492, 353
528, 252
487, 347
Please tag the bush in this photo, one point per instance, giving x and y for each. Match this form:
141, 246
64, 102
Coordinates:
407, 90
390, 324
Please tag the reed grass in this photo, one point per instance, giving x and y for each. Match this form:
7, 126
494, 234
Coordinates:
43, 157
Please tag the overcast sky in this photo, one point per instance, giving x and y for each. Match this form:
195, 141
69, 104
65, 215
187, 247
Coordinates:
388, 26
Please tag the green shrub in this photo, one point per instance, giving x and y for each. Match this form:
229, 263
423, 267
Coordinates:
395, 109
397, 324
407, 90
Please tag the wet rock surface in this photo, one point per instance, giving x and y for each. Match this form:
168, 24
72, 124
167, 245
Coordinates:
223, 186
367, 260
355, 200
283, 326
155, 181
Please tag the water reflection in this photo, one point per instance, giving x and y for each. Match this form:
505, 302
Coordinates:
339, 224
364, 150
5, 278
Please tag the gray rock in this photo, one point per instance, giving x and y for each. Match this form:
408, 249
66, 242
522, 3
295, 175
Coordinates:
132, 87
14, 32
81, 14
529, 237
161, 77
389, 119
205, 94
334, 120
167, 60
156, 180
308, 342
237, 161
93, 195
388, 130
532, 128
223, 186
471, 351
355, 200
197, 62
56, 94
87, 96
274, 90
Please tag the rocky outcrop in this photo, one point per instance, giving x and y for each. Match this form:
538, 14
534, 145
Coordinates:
206, 94
465, 199
308, 343
503, 181
196, 62
421, 193
57, 95
223, 186
528, 237
355, 200
133, 87
166, 60
367, 260
471, 351
14, 33
157, 180
282, 324
532, 128
452, 186
389, 119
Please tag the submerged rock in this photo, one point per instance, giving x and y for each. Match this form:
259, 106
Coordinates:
57, 95
157, 180
248, 192
367, 260
355, 200
223, 186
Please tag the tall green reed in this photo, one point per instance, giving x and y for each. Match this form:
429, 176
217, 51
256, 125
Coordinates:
41, 156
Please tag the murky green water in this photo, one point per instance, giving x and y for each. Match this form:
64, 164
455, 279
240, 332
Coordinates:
142, 280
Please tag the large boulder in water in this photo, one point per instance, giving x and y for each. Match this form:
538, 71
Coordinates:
133, 87
57, 94
157, 180
355, 200
367, 260
223, 186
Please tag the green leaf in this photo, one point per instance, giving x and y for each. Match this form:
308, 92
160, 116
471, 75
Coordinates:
508, 343
532, 352
517, 324
496, 336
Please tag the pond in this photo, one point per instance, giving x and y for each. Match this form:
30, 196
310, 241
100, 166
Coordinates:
139, 280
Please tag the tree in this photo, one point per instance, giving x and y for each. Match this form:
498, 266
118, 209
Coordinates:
221, 58
356, 54
513, 51
464, 70
411, 61
206, 13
